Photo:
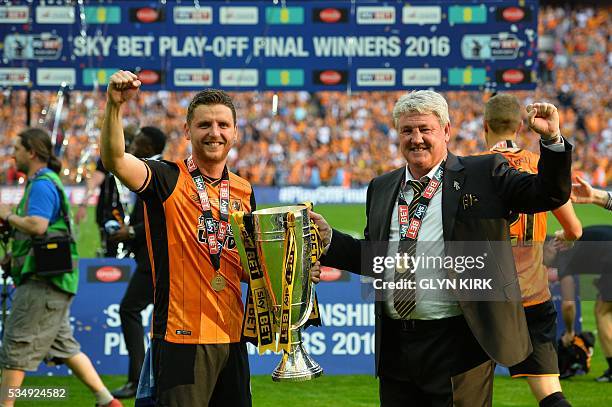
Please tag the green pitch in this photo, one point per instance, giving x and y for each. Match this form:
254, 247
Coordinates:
356, 390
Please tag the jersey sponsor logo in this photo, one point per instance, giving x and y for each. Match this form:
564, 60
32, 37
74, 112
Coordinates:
183, 332
229, 242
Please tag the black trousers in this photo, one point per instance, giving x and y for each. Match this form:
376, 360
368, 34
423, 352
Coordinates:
433, 363
138, 296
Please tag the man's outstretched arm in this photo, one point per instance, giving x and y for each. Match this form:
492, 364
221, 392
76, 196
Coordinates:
132, 172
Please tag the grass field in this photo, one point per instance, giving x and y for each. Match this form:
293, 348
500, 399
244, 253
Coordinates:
355, 390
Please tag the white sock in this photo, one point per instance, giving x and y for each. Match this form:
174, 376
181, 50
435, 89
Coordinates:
103, 397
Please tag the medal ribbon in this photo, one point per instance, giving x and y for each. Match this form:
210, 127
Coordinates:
215, 236
409, 227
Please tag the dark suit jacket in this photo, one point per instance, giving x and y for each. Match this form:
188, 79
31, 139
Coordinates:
499, 327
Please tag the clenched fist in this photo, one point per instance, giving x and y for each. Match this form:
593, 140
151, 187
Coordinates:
543, 118
122, 86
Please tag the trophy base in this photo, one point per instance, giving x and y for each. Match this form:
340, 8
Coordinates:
296, 366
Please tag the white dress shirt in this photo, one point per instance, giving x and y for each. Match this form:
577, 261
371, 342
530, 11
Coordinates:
430, 304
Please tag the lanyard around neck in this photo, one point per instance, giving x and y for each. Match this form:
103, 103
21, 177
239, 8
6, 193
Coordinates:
409, 228
215, 236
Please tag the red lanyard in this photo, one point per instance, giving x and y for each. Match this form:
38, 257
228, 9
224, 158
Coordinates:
214, 236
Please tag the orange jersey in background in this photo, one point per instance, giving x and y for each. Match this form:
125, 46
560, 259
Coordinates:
528, 232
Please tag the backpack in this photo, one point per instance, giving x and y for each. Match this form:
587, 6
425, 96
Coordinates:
576, 358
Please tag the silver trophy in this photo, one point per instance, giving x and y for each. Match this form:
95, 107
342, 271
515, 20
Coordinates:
271, 229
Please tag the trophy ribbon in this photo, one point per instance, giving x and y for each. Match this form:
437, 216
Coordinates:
316, 244
284, 340
258, 314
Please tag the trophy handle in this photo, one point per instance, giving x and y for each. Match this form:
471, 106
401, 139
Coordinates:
310, 302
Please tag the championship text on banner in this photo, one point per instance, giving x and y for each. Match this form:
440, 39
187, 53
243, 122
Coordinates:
313, 45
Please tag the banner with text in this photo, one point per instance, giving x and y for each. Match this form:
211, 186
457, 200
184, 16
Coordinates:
311, 45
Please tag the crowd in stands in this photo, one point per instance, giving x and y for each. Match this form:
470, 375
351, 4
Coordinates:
344, 138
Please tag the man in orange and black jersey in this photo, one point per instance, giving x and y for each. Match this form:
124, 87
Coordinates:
197, 352
502, 122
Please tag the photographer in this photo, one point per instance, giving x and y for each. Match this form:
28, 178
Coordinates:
38, 326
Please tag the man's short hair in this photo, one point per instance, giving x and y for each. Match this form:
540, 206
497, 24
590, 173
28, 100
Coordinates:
156, 137
422, 102
210, 97
503, 113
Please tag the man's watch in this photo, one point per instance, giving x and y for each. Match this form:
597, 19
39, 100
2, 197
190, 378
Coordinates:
131, 232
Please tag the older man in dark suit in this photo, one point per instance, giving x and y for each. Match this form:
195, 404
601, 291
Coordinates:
440, 351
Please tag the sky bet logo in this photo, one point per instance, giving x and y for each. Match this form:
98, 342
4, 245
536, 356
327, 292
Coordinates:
375, 15
192, 77
192, 15
375, 77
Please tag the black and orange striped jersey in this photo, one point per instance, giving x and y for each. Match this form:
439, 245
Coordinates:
186, 308
528, 232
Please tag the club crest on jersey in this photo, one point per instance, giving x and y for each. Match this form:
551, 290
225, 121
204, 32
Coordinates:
191, 166
236, 205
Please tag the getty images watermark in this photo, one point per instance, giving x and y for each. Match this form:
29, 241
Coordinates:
402, 263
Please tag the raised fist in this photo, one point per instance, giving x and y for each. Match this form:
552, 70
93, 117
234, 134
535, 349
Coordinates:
543, 118
122, 86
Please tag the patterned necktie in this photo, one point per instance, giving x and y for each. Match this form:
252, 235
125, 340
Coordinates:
404, 299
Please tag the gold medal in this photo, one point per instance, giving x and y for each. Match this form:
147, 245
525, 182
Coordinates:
218, 282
